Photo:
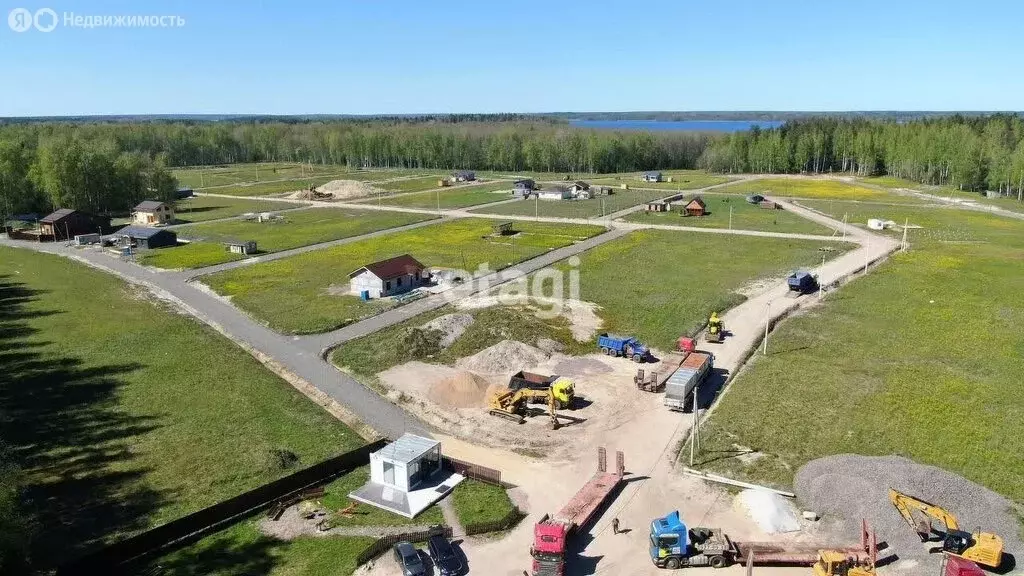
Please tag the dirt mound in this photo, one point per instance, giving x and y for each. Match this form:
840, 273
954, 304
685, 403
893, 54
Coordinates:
461, 390
848, 487
452, 325
505, 356
337, 190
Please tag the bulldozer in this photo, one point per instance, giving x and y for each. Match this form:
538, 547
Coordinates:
511, 404
834, 563
980, 547
716, 329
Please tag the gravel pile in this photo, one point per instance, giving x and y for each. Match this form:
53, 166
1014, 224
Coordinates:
339, 190
581, 366
505, 356
847, 487
452, 325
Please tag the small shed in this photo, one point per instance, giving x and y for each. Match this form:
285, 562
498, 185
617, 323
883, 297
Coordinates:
145, 238
755, 199
768, 205
695, 207
658, 206
152, 213
523, 187
407, 476
651, 176
581, 190
65, 224
464, 175
244, 247
555, 193
387, 277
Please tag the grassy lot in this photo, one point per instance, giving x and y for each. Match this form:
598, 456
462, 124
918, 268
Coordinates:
276, 187
123, 415
819, 189
206, 176
455, 197
659, 285
921, 358
477, 502
294, 229
337, 498
681, 180
593, 207
410, 184
294, 295
890, 182
203, 208
745, 216
365, 357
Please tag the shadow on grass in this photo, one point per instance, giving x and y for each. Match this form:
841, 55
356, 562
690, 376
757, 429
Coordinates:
66, 444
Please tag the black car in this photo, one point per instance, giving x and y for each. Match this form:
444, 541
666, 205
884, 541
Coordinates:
444, 556
408, 557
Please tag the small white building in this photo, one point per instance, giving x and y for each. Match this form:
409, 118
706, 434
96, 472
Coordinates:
555, 193
651, 176
407, 476
387, 277
581, 190
153, 213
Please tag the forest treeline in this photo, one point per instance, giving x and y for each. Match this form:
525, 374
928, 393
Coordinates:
972, 153
108, 167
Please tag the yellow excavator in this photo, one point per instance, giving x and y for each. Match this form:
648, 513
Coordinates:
835, 563
980, 547
716, 329
511, 404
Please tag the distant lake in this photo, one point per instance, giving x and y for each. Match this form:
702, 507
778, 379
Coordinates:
688, 125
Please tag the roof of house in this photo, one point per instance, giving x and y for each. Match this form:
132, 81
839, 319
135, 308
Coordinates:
463, 172
582, 184
652, 173
57, 215
237, 242
392, 267
699, 201
523, 181
142, 232
149, 206
407, 448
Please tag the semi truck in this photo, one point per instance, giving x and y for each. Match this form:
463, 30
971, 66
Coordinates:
625, 346
673, 545
694, 369
552, 532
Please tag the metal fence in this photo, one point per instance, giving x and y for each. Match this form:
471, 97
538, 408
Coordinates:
121, 556
383, 544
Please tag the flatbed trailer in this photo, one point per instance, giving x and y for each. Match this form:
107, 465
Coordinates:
552, 532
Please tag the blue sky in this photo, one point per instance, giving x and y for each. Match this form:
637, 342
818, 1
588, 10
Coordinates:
414, 56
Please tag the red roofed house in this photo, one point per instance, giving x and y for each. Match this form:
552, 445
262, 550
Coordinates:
695, 207
387, 277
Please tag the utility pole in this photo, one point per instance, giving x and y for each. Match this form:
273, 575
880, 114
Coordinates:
767, 323
844, 225
536, 206
439, 202
602, 207
867, 254
257, 172
903, 245
730, 217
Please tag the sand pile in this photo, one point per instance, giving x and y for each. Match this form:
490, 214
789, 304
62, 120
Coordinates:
338, 190
505, 356
461, 390
848, 487
452, 325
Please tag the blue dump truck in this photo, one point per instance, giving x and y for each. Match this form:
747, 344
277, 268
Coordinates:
625, 346
802, 281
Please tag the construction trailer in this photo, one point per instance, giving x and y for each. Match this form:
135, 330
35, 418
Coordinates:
673, 545
550, 535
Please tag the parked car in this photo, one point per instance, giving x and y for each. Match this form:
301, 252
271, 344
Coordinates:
446, 559
408, 557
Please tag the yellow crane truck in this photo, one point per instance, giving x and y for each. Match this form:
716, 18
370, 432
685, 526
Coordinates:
981, 547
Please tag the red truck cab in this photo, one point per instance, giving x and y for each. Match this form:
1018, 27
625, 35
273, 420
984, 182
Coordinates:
548, 548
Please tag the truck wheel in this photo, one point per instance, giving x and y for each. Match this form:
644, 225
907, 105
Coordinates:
606, 351
637, 358
672, 563
718, 562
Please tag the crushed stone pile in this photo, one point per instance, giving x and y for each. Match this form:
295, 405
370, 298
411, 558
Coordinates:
452, 325
505, 356
461, 390
846, 488
581, 366
338, 190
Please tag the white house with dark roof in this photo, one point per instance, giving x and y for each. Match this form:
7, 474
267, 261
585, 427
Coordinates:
152, 213
387, 277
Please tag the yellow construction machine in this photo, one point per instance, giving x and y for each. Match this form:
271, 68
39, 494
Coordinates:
981, 547
511, 404
836, 563
716, 329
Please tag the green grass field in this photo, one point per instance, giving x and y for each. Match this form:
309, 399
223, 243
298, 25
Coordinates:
203, 208
659, 285
308, 293
336, 498
294, 229
681, 180
365, 357
207, 176
450, 198
417, 184
815, 189
476, 502
921, 358
745, 216
123, 415
591, 208
276, 187
890, 182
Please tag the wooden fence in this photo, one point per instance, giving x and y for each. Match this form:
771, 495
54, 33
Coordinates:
514, 516
122, 556
383, 544
474, 471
